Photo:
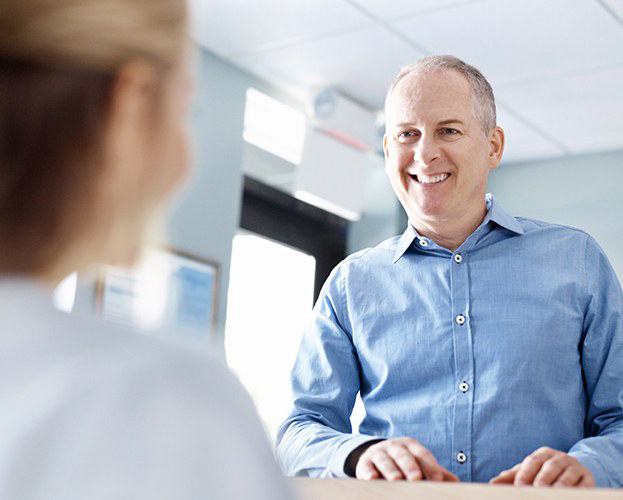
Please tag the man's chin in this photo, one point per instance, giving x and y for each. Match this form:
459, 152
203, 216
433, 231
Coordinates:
429, 213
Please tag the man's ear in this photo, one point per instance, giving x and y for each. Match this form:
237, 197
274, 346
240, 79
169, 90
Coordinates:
496, 147
385, 150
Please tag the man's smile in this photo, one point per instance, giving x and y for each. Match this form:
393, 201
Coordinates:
429, 179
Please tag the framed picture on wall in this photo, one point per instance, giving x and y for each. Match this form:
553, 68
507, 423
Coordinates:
170, 291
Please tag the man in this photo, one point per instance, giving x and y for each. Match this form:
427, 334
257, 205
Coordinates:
485, 347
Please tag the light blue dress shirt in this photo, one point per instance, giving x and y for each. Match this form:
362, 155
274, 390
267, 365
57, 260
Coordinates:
512, 342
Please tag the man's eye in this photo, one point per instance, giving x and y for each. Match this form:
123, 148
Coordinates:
450, 131
407, 135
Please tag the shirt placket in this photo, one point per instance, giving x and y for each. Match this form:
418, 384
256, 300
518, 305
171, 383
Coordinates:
462, 458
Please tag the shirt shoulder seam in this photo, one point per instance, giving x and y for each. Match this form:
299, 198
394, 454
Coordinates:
552, 224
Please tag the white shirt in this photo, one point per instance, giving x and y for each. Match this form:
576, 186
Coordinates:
88, 411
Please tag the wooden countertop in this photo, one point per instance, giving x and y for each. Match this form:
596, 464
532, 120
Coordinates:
350, 489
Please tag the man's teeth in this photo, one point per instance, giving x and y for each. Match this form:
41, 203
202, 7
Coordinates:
425, 179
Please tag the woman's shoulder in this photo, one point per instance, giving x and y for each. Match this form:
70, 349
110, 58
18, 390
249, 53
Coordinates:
87, 349
79, 387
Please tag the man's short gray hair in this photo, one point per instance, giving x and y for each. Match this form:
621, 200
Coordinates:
482, 93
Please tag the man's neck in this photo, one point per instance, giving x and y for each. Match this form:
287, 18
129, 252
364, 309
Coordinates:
452, 232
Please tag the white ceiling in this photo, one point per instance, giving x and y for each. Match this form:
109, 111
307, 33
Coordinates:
556, 66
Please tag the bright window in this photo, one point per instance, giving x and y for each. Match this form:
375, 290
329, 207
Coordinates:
274, 126
65, 293
268, 307
271, 292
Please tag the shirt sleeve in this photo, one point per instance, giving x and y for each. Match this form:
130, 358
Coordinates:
316, 438
601, 451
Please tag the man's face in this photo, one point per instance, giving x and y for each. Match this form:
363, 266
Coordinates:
437, 155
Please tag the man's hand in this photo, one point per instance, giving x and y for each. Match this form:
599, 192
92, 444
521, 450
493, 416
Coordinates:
400, 458
547, 467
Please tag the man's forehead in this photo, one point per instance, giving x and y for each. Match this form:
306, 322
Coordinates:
431, 93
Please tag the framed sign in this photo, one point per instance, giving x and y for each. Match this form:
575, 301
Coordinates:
170, 290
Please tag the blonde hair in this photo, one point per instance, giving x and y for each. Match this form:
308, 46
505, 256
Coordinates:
96, 34
58, 62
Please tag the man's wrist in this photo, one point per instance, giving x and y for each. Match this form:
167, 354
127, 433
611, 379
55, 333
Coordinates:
350, 464
590, 461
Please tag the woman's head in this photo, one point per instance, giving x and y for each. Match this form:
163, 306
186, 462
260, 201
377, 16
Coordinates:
93, 99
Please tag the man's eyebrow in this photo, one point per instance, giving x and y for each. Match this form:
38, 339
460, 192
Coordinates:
443, 122
451, 120
404, 124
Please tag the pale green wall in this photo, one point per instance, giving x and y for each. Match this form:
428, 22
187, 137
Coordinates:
582, 191
205, 218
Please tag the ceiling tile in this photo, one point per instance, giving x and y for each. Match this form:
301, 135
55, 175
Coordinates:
584, 113
233, 26
516, 41
361, 63
522, 142
384, 10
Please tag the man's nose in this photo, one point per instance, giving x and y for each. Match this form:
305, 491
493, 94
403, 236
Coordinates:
427, 150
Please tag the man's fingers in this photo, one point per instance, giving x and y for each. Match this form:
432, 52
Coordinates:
448, 476
406, 461
506, 476
587, 481
551, 470
401, 458
570, 477
530, 467
502, 479
547, 467
367, 471
429, 465
386, 466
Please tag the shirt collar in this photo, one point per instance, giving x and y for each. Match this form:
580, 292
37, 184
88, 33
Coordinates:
405, 242
502, 218
495, 213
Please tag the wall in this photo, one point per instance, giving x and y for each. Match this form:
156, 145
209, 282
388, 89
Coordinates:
381, 218
205, 218
583, 191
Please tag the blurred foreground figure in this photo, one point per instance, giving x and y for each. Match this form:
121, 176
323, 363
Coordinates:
93, 98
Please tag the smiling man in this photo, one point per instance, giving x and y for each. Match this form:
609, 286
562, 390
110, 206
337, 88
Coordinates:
485, 347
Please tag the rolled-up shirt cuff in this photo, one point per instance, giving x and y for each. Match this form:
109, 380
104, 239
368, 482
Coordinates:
590, 461
338, 460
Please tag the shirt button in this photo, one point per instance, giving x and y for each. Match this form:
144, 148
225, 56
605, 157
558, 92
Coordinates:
460, 320
458, 258
423, 242
464, 386
461, 457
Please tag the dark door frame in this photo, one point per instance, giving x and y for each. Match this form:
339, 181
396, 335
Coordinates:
279, 216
